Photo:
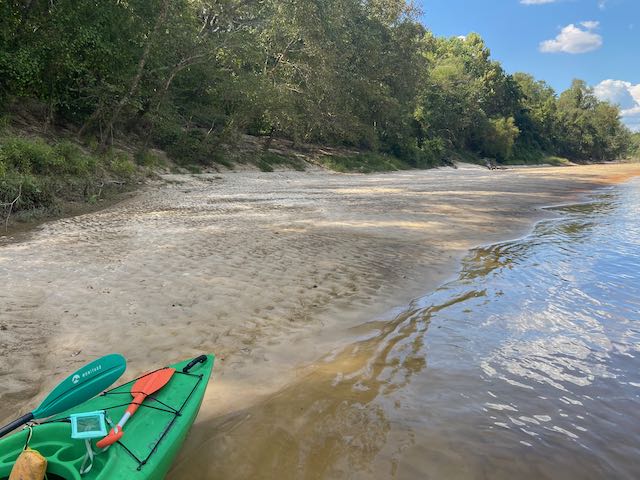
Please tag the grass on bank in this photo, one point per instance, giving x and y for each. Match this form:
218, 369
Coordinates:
268, 160
364, 163
38, 177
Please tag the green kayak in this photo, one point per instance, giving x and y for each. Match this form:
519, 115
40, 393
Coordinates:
151, 439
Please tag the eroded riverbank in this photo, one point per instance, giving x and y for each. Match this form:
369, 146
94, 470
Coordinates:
266, 270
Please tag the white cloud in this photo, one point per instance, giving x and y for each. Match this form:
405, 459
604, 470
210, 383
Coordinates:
602, 4
624, 94
574, 39
590, 24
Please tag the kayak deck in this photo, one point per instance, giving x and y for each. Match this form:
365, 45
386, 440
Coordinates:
151, 439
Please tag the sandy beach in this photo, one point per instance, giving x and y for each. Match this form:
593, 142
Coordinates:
267, 270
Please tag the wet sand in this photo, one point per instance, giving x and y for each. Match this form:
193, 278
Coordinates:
268, 270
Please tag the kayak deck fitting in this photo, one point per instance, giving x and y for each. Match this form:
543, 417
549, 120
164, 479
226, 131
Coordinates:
151, 440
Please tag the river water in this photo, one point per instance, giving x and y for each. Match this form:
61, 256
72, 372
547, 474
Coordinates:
526, 366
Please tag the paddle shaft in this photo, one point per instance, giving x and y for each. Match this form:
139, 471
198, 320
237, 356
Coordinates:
15, 424
132, 409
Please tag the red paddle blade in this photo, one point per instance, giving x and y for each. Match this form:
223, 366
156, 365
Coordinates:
153, 382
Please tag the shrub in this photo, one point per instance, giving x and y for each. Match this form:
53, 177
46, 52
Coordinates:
499, 137
14, 155
166, 134
43, 158
122, 166
146, 158
184, 147
75, 162
43, 174
187, 150
34, 192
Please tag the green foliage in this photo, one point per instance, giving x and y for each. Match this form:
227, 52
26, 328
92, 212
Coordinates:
634, 146
364, 163
122, 166
75, 161
146, 158
27, 156
40, 175
35, 192
499, 138
191, 76
192, 147
34, 156
588, 128
526, 154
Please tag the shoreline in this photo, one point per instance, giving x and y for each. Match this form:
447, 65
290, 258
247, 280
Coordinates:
322, 254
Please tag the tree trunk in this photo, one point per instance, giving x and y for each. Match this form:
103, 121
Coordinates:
268, 140
89, 121
160, 96
133, 87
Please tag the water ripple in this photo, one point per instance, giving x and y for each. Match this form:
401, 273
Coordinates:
551, 324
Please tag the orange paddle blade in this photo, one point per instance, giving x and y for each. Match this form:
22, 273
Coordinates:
153, 382
147, 385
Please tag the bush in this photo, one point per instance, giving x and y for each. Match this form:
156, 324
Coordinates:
29, 156
44, 174
146, 158
634, 145
525, 155
499, 137
34, 192
122, 166
75, 162
34, 156
166, 134
188, 148
185, 147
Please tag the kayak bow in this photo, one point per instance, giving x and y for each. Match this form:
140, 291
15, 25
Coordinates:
154, 435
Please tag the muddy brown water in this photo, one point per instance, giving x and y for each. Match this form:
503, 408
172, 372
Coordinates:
526, 366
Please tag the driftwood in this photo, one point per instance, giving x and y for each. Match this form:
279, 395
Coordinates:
490, 163
10, 205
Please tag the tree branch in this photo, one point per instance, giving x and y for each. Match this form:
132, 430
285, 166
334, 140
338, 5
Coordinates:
11, 205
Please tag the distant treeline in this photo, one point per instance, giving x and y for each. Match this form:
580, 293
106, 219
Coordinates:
190, 75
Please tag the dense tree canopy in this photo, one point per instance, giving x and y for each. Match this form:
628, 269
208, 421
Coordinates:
188, 75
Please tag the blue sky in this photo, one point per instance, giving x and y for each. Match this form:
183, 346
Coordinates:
555, 40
